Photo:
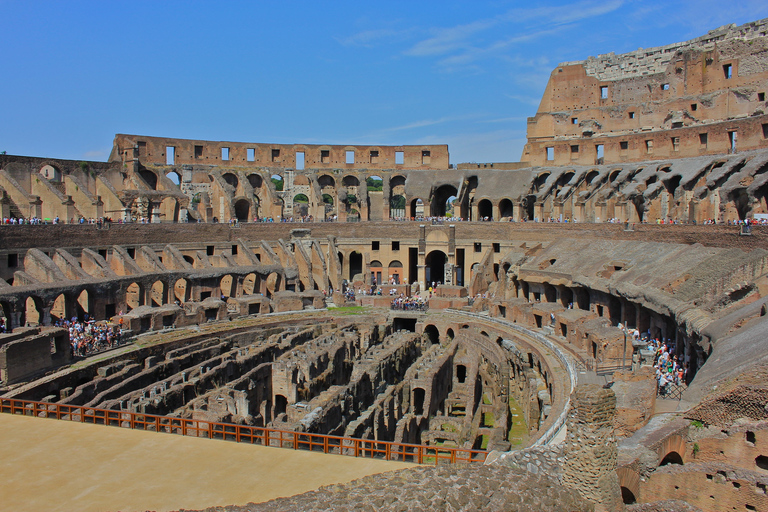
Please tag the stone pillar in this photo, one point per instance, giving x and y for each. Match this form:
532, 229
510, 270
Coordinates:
538, 209
590, 449
35, 207
496, 212
519, 212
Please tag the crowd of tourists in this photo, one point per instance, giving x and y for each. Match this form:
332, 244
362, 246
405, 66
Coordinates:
89, 336
409, 303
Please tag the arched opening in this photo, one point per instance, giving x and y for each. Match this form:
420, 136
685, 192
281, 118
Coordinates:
550, 293
449, 334
189, 259
397, 207
374, 183
761, 461
461, 373
51, 173
591, 176
417, 208
149, 178
671, 458
281, 405
539, 182
435, 266
376, 270
418, 401
230, 179
242, 210
250, 284
157, 293
395, 272
32, 312
440, 202
255, 181
431, 334
325, 181
133, 296
566, 296
485, 210
300, 205
277, 181
226, 285
627, 496
355, 265
181, 290
174, 177
614, 175
59, 309
506, 209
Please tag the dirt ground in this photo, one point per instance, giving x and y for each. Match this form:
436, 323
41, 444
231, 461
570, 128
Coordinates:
62, 466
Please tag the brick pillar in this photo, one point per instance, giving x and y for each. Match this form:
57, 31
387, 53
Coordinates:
590, 449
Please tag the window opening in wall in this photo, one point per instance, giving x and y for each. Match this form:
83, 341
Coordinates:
399, 158
694, 107
13, 260
198, 151
761, 96
350, 157
142, 147
209, 250
750, 436
765, 130
550, 153
234, 250
675, 143
325, 156
574, 120
478, 247
664, 87
728, 71
275, 155
299, 160
103, 253
575, 149
496, 247
374, 157
600, 150
649, 146
395, 246
426, 157
631, 115
732, 142
624, 145
225, 153
170, 155
703, 139
603, 92
250, 154
375, 245
132, 252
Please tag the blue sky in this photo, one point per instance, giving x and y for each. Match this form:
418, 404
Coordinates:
461, 73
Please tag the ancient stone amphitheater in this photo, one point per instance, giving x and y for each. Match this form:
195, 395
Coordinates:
378, 301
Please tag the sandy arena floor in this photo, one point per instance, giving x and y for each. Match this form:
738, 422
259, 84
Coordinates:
62, 466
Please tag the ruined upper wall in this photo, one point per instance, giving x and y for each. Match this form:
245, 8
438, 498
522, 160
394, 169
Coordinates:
155, 150
700, 97
649, 61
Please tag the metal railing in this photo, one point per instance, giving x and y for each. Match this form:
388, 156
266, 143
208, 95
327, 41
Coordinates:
386, 450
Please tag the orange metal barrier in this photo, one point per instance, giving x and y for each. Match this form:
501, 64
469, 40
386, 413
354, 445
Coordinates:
387, 450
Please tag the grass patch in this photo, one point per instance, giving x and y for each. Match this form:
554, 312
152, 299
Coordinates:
447, 427
349, 310
486, 400
489, 420
518, 431
484, 442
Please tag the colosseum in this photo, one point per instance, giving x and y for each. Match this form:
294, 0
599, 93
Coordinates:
581, 330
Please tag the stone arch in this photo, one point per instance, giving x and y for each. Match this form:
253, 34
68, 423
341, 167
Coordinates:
58, 309
417, 207
397, 206
629, 481
149, 177
277, 181
227, 286
33, 311
591, 176
397, 184
51, 172
300, 205
395, 270
450, 334
376, 269
174, 177
440, 199
614, 175
251, 284
134, 296
242, 209
230, 179
374, 183
326, 181
435, 266
169, 209
273, 283
419, 396
431, 334
157, 293
506, 209
181, 290
355, 264
255, 180
540, 180
671, 450
485, 209
350, 180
